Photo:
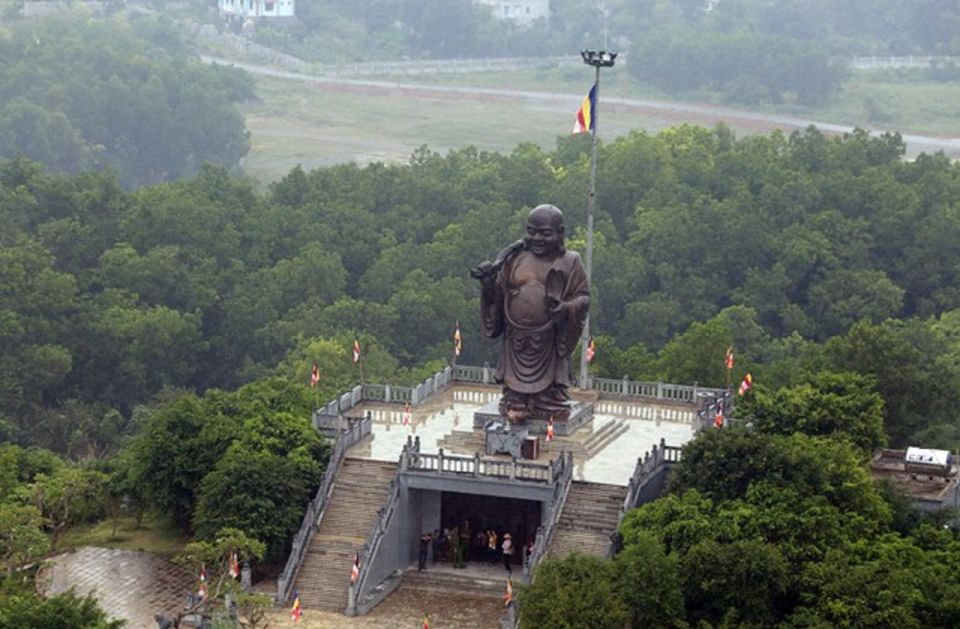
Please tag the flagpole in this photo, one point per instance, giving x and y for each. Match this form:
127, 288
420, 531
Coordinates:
597, 59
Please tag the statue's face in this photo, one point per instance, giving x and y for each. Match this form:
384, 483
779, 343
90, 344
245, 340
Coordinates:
544, 233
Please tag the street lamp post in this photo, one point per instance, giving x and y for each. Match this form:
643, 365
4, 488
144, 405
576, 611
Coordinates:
598, 59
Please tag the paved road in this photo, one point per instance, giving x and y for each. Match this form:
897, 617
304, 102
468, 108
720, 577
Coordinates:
691, 112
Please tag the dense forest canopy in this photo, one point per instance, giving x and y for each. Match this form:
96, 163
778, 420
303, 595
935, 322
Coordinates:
78, 94
808, 253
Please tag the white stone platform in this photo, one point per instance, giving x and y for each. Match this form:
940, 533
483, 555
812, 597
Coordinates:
446, 421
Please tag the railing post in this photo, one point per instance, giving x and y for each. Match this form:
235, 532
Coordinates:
659, 390
386, 392
440, 460
695, 391
486, 373
351, 600
513, 468
623, 385
476, 464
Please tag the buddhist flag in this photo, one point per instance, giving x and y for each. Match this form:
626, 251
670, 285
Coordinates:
728, 360
355, 570
234, 565
457, 341
314, 375
356, 351
406, 414
550, 429
508, 597
718, 419
202, 588
584, 121
746, 385
426, 621
295, 611
591, 350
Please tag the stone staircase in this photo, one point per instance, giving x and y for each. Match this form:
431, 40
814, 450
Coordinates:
588, 518
604, 436
359, 490
488, 583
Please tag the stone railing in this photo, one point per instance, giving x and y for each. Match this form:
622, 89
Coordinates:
476, 467
545, 533
357, 600
608, 388
707, 413
646, 483
685, 394
356, 431
384, 393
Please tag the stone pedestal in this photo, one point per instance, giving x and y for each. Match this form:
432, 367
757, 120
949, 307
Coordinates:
580, 414
500, 438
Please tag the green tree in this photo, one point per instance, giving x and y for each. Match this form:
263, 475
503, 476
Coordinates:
648, 581
573, 592
70, 496
739, 583
63, 611
842, 405
22, 538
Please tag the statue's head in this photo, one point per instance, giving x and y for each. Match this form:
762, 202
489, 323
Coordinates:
545, 230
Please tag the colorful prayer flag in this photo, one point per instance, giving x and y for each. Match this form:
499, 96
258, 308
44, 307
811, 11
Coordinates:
585, 117
718, 418
591, 350
406, 414
356, 351
550, 429
295, 611
202, 588
728, 360
746, 385
457, 341
426, 621
234, 565
314, 375
355, 570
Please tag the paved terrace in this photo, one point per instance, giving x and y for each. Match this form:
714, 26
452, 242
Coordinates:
605, 449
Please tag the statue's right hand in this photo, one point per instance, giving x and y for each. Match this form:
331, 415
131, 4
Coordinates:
484, 272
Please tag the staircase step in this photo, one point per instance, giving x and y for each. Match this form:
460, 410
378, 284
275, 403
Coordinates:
360, 489
594, 448
588, 518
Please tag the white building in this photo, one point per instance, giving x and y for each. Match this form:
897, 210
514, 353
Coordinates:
234, 9
523, 12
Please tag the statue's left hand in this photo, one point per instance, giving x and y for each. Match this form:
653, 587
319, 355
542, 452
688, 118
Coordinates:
560, 312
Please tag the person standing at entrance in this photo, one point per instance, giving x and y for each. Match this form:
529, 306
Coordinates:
465, 540
492, 547
507, 551
425, 540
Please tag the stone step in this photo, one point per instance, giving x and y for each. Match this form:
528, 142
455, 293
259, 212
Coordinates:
601, 433
444, 581
360, 489
589, 517
596, 446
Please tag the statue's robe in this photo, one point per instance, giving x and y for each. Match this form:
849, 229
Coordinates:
535, 359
